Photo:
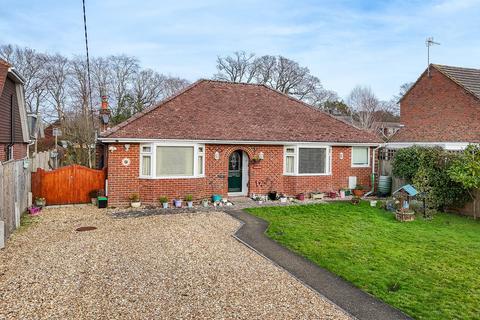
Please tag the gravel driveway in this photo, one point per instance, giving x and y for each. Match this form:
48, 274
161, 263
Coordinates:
185, 266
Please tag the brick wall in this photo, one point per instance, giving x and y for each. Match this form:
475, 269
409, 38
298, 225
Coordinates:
438, 110
264, 176
19, 151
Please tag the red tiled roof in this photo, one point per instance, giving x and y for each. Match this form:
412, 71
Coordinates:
218, 110
4, 67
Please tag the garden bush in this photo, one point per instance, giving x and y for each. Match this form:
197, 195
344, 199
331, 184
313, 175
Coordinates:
428, 170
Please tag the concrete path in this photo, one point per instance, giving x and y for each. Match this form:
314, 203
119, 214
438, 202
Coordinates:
354, 301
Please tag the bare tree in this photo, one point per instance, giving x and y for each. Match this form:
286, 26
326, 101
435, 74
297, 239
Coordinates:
365, 105
31, 65
236, 68
58, 70
172, 85
123, 72
277, 72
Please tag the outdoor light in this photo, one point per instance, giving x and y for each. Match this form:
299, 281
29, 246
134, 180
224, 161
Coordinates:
341, 155
127, 146
217, 155
112, 148
261, 156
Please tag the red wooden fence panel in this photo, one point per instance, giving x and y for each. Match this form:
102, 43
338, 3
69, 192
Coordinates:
67, 185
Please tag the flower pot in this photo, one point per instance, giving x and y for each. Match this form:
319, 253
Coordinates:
283, 200
272, 195
216, 198
205, 203
301, 196
404, 216
177, 203
342, 194
317, 195
165, 205
190, 204
259, 201
373, 203
94, 201
136, 204
358, 192
40, 203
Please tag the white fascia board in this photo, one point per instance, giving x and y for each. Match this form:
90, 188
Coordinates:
445, 145
173, 141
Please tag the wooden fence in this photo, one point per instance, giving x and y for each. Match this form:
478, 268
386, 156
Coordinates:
67, 185
41, 160
14, 195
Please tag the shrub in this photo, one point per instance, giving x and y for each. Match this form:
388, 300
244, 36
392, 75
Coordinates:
135, 197
428, 170
188, 197
163, 199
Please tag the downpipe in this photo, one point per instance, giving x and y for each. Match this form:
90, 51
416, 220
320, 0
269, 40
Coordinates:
372, 177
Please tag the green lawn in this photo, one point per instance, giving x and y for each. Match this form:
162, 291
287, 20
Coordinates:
430, 269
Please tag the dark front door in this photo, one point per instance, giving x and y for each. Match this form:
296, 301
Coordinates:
235, 172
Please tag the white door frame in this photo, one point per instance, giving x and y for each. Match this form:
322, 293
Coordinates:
245, 177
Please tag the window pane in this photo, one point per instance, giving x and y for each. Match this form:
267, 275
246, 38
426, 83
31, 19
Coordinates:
174, 161
290, 150
200, 164
360, 155
146, 165
312, 160
146, 149
290, 164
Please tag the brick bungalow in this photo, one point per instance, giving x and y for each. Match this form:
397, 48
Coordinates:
442, 109
14, 133
233, 139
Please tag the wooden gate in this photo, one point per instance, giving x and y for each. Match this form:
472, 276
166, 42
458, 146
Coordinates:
67, 185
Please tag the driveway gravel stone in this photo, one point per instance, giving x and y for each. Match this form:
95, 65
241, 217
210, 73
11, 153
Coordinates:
185, 266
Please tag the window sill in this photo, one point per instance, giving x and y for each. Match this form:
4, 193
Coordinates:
171, 177
360, 165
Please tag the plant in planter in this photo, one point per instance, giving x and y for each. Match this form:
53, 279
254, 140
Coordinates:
301, 196
177, 203
205, 203
355, 200
317, 195
40, 202
189, 200
272, 195
93, 196
359, 191
164, 201
258, 199
135, 200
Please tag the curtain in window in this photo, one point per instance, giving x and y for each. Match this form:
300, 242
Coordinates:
312, 160
290, 164
174, 161
146, 165
360, 155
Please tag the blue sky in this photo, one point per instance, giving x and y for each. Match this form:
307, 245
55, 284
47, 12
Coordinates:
344, 43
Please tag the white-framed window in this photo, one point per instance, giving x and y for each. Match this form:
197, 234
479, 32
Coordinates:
145, 160
307, 160
165, 160
360, 156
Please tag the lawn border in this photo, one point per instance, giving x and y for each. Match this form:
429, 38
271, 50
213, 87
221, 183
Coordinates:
343, 294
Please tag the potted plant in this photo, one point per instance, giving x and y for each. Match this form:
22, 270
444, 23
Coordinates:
355, 200
40, 202
177, 203
256, 159
189, 200
135, 200
164, 201
301, 196
272, 195
205, 203
258, 199
93, 196
358, 191
283, 199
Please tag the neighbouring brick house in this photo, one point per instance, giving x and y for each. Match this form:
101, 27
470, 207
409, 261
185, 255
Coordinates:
233, 139
442, 109
14, 133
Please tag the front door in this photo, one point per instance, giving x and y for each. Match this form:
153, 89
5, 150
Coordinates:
235, 172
